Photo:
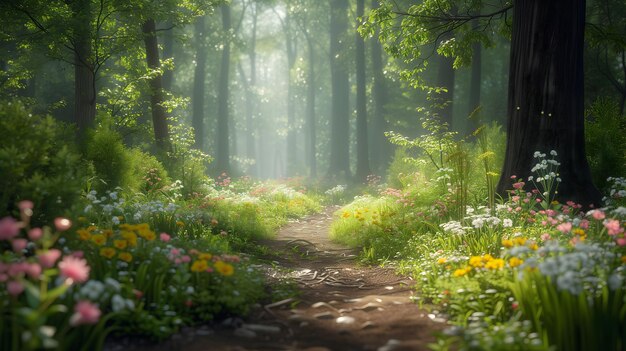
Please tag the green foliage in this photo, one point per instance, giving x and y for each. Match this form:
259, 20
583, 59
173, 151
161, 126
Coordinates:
605, 136
111, 160
37, 162
148, 172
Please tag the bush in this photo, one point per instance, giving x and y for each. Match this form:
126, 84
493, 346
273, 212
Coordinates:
148, 173
37, 163
111, 160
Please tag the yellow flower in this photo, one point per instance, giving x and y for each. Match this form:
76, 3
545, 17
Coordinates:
476, 261
120, 244
515, 262
487, 258
107, 252
578, 231
108, 233
149, 235
345, 214
507, 243
83, 234
99, 239
92, 228
126, 226
624, 259
520, 241
125, 256
205, 256
199, 266
533, 246
180, 223
442, 260
462, 271
130, 237
496, 263
224, 268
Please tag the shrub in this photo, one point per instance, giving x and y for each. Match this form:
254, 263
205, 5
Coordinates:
111, 160
37, 162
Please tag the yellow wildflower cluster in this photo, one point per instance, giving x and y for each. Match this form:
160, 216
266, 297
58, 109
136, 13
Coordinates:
519, 241
201, 264
362, 215
486, 262
112, 245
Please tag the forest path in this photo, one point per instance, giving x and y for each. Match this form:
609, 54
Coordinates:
342, 306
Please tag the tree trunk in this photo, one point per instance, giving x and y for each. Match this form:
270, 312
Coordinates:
475, 85
380, 146
340, 86
251, 97
310, 109
84, 72
291, 108
362, 154
159, 116
445, 79
545, 104
223, 96
168, 52
199, 83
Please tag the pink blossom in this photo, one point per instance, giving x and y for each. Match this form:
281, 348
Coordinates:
174, 252
565, 227
613, 227
3, 277
621, 241
518, 185
165, 237
78, 254
74, 268
62, 224
25, 205
178, 260
85, 312
35, 234
597, 215
186, 259
532, 212
515, 198
513, 176
34, 270
551, 213
9, 228
584, 224
526, 201
19, 244
48, 259
16, 269
545, 236
15, 287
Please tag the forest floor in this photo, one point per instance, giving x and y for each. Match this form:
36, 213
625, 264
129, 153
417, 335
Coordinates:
341, 305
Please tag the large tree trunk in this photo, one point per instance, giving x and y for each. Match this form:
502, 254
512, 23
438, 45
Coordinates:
380, 147
340, 85
251, 98
222, 155
475, 82
310, 109
159, 116
291, 108
545, 105
199, 83
168, 52
362, 154
84, 71
445, 79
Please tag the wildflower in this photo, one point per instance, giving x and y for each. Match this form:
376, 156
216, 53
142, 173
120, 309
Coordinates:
62, 224
9, 228
515, 262
130, 237
507, 223
442, 260
149, 235
99, 239
199, 266
598, 215
613, 227
33, 270
565, 227
205, 256
120, 244
25, 205
476, 261
224, 268
48, 258
508, 243
19, 244
180, 223
125, 256
520, 241
496, 263
623, 259
107, 252
164, 237
83, 234
518, 185
621, 241
35, 234
74, 268
15, 287
85, 312
578, 232
345, 214
462, 271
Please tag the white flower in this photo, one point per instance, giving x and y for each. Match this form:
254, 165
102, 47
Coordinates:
507, 223
553, 153
115, 220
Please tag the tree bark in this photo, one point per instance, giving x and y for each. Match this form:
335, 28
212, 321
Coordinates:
291, 108
545, 104
199, 78
380, 147
310, 109
445, 79
340, 86
251, 99
475, 84
362, 162
84, 71
168, 52
159, 115
223, 155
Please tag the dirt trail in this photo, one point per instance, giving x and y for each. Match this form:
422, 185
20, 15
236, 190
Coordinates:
342, 306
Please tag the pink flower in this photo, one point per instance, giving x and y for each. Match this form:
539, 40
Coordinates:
9, 228
16, 269
613, 227
49, 258
621, 241
545, 236
584, 224
15, 288
85, 312
78, 254
3, 277
565, 227
186, 259
165, 237
19, 244
62, 224
518, 185
513, 176
178, 260
35, 234
34, 270
598, 215
25, 205
74, 268
515, 198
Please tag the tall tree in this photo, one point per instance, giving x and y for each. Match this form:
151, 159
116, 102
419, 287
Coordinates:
362, 161
340, 86
310, 106
445, 79
475, 82
222, 158
199, 81
84, 70
159, 114
545, 104
168, 53
251, 90
380, 145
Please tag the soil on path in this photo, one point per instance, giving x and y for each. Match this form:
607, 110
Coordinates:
342, 306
